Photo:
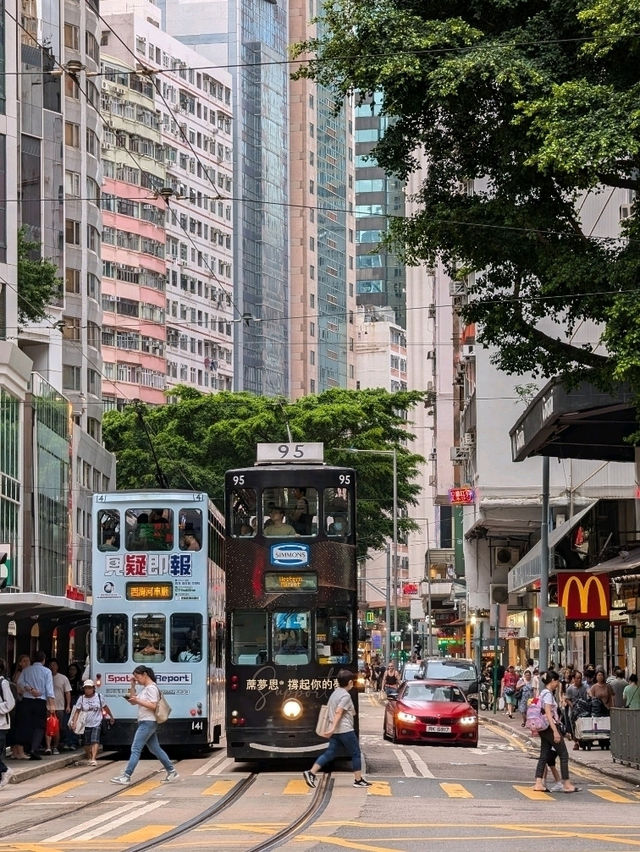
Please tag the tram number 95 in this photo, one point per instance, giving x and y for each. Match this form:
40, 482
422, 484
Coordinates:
197, 726
344, 479
294, 451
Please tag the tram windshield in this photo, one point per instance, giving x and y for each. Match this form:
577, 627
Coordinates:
148, 638
149, 529
290, 637
111, 635
333, 636
337, 512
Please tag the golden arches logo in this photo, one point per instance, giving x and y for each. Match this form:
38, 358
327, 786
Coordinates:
583, 587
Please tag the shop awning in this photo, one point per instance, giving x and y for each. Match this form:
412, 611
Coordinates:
622, 563
528, 570
581, 423
19, 604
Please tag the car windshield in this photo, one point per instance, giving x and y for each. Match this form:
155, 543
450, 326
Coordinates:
440, 670
431, 692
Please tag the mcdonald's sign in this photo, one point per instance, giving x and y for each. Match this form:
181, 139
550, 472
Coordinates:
584, 596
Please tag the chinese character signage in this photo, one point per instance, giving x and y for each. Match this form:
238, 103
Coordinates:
462, 496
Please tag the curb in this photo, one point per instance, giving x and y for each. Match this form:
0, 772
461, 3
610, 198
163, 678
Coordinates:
34, 768
616, 770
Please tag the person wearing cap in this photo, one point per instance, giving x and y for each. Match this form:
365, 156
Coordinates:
92, 704
276, 525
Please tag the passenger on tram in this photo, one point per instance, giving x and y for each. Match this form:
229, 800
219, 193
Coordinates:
189, 540
300, 515
276, 525
192, 654
110, 540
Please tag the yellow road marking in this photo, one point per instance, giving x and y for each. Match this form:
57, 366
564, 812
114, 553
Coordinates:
219, 788
146, 833
297, 787
380, 788
59, 788
456, 791
544, 833
610, 796
141, 789
347, 844
536, 795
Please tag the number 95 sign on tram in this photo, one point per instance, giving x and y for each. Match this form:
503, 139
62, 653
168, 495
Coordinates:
312, 453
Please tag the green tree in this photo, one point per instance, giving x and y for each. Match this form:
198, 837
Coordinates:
536, 100
38, 281
196, 439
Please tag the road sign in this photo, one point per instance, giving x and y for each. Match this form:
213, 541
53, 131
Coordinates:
395, 635
555, 620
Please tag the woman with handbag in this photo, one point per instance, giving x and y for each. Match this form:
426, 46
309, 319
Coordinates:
86, 719
551, 736
146, 733
509, 681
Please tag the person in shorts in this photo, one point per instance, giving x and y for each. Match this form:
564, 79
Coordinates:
92, 704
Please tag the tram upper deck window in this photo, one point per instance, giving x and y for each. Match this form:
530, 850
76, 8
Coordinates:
190, 528
334, 642
290, 637
108, 530
290, 511
149, 529
243, 513
337, 512
111, 633
186, 637
148, 635
248, 637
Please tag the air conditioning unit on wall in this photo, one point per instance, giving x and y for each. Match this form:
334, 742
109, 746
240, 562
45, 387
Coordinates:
506, 557
498, 593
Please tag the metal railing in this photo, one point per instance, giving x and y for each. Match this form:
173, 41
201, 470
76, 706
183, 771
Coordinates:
625, 736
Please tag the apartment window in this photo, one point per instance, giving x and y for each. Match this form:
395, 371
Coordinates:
93, 382
71, 88
312, 329
72, 232
71, 377
72, 280
72, 184
72, 36
71, 329
71, 134
3, 187
312, 356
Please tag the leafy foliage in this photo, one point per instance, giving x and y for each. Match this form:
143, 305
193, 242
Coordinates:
195, 440
535, 100
38, 281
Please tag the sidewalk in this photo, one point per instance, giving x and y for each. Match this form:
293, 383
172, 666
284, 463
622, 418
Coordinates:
23, 770
597, 759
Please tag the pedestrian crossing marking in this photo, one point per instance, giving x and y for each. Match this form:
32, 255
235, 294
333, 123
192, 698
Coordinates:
219, 788
148, 832
380, 788
456, 791
141, 789
51, 792
297, 787
530, 793
610, 796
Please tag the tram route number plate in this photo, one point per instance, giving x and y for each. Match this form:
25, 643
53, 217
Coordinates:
197, 726
438, 729
311, 453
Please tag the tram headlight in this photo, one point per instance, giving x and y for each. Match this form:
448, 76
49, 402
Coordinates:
292, 709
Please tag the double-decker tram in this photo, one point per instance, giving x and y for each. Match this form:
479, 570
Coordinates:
158, 600
291, 598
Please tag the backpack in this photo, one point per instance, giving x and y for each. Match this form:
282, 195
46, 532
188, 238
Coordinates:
536, 719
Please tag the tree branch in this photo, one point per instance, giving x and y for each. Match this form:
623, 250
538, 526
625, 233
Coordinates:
612, 179
562, 348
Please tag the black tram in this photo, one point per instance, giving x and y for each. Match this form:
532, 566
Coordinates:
291, 598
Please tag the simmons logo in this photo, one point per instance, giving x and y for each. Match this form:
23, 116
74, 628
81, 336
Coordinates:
290, 555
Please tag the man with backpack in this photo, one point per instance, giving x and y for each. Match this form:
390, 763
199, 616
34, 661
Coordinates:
7, 703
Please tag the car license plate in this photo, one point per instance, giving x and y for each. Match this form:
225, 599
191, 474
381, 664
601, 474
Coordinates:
438, 729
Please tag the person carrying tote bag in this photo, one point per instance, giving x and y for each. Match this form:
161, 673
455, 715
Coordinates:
147, 700
86, 719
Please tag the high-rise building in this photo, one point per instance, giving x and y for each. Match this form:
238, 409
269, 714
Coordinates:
251, 39
167, 211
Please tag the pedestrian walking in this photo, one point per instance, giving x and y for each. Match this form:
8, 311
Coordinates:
631, 696
508, 690
7, 703
92, 704
341, 732
147, 731
524, 694
552, 737
35, 685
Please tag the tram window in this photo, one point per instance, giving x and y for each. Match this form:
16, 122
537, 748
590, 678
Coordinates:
111, 634
186, 637
290, 511
149, 529
190, 527
337, 511
290, 637
148, 638
248, 637
243, 513
333, 636
108, 530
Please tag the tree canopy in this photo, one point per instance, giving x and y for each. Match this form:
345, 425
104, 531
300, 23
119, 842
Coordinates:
191, 443
38, 281
536, 100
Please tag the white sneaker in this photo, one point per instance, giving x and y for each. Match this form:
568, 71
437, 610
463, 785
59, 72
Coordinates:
171, 776
6, 778
558, 787
121, 779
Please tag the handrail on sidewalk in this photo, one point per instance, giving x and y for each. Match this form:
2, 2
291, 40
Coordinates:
625, 736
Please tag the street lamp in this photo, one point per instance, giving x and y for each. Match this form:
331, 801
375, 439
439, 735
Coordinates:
394, 454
